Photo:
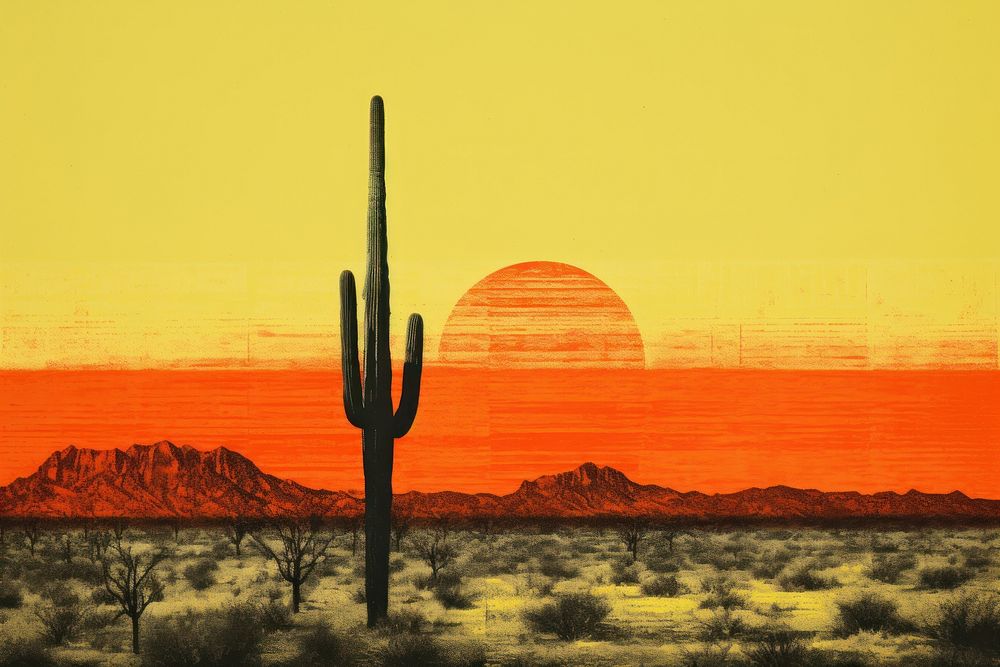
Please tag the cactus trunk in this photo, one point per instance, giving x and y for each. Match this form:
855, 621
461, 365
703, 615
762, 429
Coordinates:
368, 399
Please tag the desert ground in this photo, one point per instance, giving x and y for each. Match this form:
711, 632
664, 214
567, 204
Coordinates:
549, 595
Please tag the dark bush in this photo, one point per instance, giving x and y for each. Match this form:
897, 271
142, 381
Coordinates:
721, 592
624, 571
869, 612
407, 620
977, 558
272, 615
322, 646
448, 591
557, 567
711, 655
890, 567
61, 614
771, 563
409, 650
207, 639
804, 578
777, 647
25, 653
723, 626
201, 573
10, 595
946, 577
664, 585
662, 562
570, 616
971, 621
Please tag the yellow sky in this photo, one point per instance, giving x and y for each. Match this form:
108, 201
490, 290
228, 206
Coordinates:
184, 180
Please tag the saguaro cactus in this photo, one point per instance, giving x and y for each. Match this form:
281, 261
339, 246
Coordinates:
370, 409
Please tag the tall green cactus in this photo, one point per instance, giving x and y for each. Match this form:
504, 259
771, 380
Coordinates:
370, 409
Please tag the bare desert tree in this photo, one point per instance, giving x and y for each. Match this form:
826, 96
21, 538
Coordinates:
176, 524
301, 546
632, 532
400, 528
236, 531
129, 578
32, 533
355, 524
118, 528
435, 548
66, 546
671, 533
98, 542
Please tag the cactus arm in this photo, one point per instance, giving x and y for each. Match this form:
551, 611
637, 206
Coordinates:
412, 369
350, 364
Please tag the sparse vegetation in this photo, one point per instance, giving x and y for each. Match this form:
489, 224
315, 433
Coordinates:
532, 586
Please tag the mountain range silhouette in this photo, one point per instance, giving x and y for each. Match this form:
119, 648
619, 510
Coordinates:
164, 480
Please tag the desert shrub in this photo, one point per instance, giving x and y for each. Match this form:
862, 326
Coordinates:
723, 625
721, 592
448, 591
25, 653
557, 567
977, 558
624, 571
777, 647
971, 621
10, 595
206, 639
662, 562
570, 616
101, 596
711, 655
360, 596
406, 620
953, 656
201, 573
770, 563
804, 578
946, 577
322, 646
406, 650
664, 586
882, 545
221, 549
735, 555
888, 568
869, 612
61, 614
272, 615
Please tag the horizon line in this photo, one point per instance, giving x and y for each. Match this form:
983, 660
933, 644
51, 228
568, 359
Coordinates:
352, 492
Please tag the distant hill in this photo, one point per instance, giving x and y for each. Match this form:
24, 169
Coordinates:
164, 480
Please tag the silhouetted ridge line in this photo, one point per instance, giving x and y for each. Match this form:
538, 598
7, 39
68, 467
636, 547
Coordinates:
164, 480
